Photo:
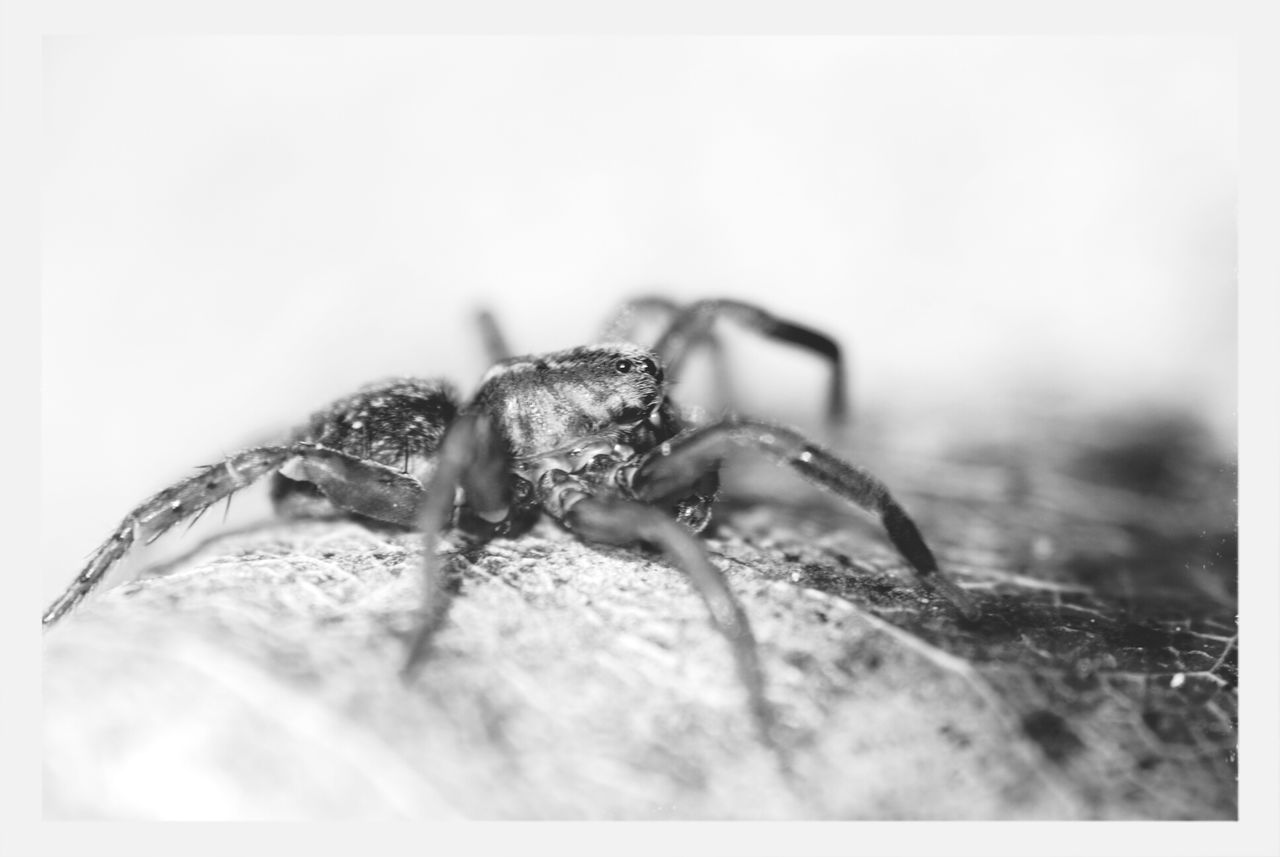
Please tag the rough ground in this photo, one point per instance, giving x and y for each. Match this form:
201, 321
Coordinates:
258, 677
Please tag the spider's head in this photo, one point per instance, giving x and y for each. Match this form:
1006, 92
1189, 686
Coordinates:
548, 401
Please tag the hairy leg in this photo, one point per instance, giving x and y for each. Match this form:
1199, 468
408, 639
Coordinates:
671, 469
358, 486
695, 321
621, 522
398, 422
473, 458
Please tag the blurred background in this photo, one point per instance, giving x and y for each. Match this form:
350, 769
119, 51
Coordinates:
237, 230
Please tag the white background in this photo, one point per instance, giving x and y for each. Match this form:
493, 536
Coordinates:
236, 231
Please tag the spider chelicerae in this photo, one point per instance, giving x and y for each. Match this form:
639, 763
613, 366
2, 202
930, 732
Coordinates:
588, 436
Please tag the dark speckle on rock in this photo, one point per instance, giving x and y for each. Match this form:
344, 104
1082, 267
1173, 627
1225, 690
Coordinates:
955, 735
858, 660
1146, 763
1052, 734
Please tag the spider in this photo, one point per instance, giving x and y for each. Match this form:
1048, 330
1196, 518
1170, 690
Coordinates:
588, 436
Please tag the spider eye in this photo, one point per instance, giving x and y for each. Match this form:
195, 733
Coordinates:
624, 366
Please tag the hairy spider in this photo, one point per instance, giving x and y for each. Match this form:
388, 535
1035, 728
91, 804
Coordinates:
588, 436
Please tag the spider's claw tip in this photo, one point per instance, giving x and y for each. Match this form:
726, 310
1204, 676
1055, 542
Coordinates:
782, 759
957, 597
417, 656
968, 608
409, 671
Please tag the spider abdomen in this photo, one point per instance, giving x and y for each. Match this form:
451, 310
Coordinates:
386, 422
398, 422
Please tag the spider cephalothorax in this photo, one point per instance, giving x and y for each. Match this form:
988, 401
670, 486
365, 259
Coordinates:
586, 436
581, 419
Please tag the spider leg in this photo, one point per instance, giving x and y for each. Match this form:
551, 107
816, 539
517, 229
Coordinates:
158, 513
671, 469
358, 485
621, 522
364, 487
474, 458
695, 320
624, 321
398, 422
496, 347
622, 326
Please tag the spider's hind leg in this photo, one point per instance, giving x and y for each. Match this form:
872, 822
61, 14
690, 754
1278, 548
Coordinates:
352, 484
188, 498
357, 485
295, 499
693, 324
622, 522
396, 423
623, 324
627, 321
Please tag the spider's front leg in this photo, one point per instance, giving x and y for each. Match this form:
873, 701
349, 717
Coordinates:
614, 521
671, 469
472, 457
354, 484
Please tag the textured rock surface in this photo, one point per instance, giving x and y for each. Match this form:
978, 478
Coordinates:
258, 677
